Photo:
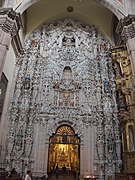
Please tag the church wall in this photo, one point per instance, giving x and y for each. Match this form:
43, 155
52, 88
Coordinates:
129, 7
9, 73
10, 64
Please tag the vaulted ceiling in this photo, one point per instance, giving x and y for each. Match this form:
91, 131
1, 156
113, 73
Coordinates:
87, 11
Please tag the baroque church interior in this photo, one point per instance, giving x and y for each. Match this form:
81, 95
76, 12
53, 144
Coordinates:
67, 88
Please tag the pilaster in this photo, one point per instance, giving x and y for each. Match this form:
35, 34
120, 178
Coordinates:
10, 24
82, 163
46, 157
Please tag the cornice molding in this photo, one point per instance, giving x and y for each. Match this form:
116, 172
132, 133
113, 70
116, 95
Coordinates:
10, 21
126, 27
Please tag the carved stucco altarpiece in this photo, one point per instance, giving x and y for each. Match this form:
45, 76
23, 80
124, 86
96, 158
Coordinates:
65, 75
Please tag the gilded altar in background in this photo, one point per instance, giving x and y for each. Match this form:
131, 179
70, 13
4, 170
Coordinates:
64, 150
126, 105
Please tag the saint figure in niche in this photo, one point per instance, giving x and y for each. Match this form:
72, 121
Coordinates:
67, 73
66, 86
64, 138
27, 82
110, 141
66, 81
121, 100
19, 139
117, 69
68, 41
106, 86
131, 138
68, 89
125, 139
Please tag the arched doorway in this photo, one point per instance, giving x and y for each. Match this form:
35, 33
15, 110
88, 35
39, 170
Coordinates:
64, 151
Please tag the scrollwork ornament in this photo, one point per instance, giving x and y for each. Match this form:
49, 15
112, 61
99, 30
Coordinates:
64, 79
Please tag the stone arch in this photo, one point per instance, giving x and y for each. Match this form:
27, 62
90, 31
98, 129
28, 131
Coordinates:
65, 129
113, 7
106, 3
77, 130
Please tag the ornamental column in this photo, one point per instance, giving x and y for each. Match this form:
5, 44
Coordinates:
126, 29
10, 24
